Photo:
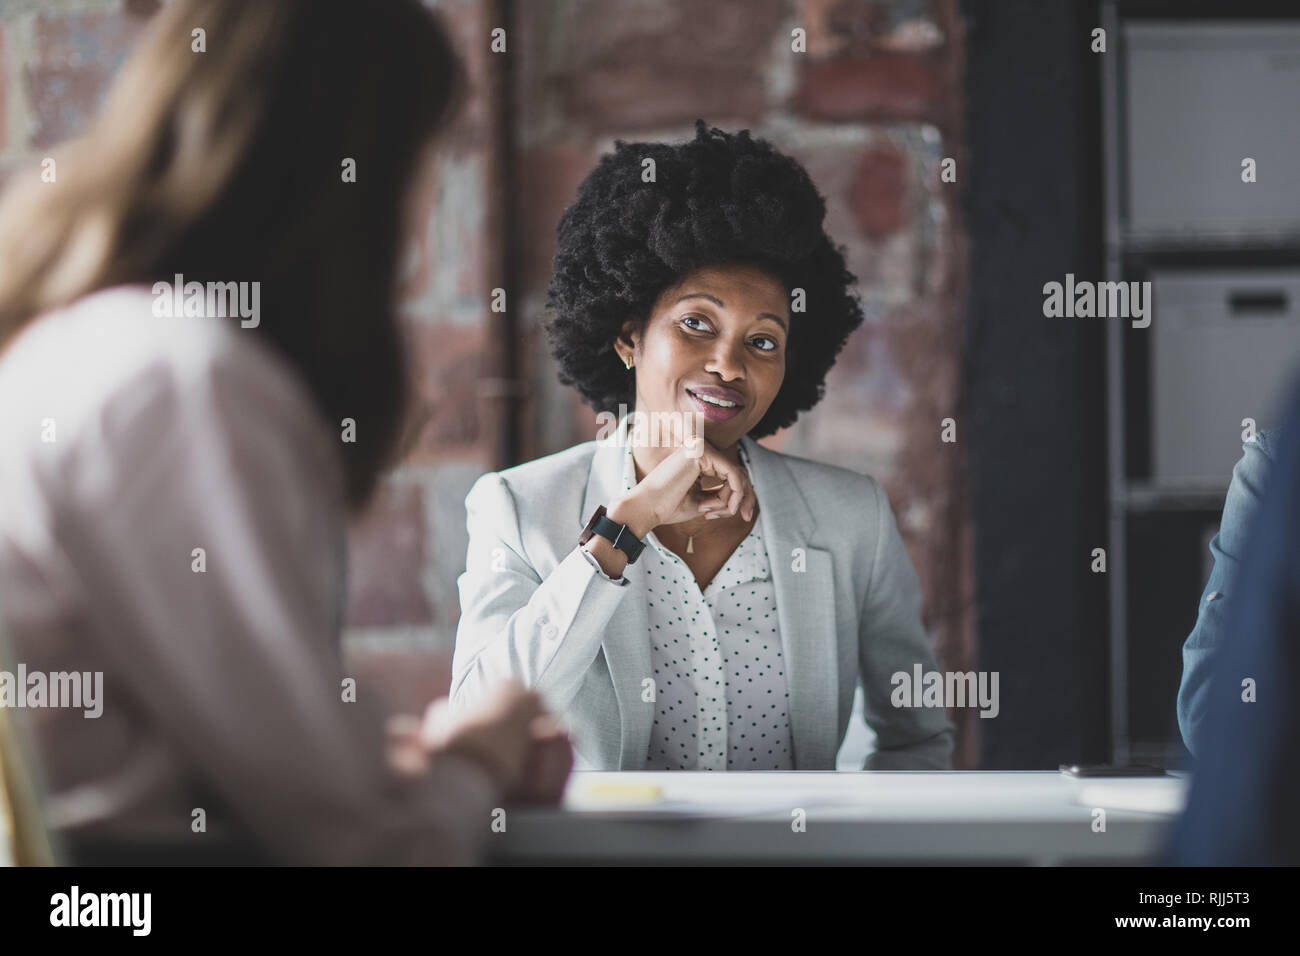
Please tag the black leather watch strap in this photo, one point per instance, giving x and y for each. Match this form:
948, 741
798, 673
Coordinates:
619, 535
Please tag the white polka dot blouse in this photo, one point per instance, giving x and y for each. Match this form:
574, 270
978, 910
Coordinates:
721, 700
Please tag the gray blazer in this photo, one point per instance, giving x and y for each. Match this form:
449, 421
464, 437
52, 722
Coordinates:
534, 609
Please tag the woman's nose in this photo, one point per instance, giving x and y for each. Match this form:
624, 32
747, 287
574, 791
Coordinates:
727, 360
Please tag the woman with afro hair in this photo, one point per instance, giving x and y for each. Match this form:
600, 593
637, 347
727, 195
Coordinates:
685, 597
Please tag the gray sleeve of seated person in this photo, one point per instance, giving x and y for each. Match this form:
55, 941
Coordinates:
1244, 494
893, 640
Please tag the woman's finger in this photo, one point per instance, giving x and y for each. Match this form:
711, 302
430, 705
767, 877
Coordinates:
733, 489
714, 502
405, 726
750, 503
717, 502
547, 726
737, 487
729, 474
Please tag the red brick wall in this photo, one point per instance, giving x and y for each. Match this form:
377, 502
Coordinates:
871, 109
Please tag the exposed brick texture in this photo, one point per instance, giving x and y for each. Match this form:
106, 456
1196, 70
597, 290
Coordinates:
879, 195
640, 65
73, 59
879, 89
4, 89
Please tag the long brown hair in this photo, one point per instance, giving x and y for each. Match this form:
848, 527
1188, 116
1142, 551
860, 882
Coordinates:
227, 165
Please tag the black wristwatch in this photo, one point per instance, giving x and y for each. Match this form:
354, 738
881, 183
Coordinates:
619, 535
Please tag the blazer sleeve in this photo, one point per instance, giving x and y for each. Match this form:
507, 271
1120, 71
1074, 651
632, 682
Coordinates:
1227, 548
515, 623
892, 639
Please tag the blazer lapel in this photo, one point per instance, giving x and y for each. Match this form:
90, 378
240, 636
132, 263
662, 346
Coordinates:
802, 576
627, 642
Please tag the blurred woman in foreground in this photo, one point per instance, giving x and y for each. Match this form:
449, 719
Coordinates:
188, 313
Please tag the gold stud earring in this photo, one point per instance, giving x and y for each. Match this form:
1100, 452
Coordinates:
628, 362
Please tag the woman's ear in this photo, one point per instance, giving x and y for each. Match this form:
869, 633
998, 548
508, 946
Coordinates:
628, 338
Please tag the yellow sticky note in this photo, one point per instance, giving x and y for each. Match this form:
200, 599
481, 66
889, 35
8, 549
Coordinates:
627, 792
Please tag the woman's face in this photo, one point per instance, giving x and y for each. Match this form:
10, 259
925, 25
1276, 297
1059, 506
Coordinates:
714, 344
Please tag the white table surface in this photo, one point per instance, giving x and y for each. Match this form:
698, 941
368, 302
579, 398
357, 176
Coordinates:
1035, 817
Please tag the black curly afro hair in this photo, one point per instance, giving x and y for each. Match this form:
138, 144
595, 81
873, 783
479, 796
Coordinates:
719, 199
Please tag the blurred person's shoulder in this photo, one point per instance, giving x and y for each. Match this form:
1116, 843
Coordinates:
1269, 442
112, 338
107, 364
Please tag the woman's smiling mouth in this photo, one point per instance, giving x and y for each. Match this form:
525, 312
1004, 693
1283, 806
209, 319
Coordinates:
717, 404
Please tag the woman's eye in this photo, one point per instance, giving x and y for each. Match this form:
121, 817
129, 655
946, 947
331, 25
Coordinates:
694, 318
769, 346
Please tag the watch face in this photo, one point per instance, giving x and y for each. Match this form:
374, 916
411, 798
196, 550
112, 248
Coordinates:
588, 531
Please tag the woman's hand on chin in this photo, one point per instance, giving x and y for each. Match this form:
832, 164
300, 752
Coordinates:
672, 492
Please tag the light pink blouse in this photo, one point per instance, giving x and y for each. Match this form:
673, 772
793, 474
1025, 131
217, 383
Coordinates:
127, 442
